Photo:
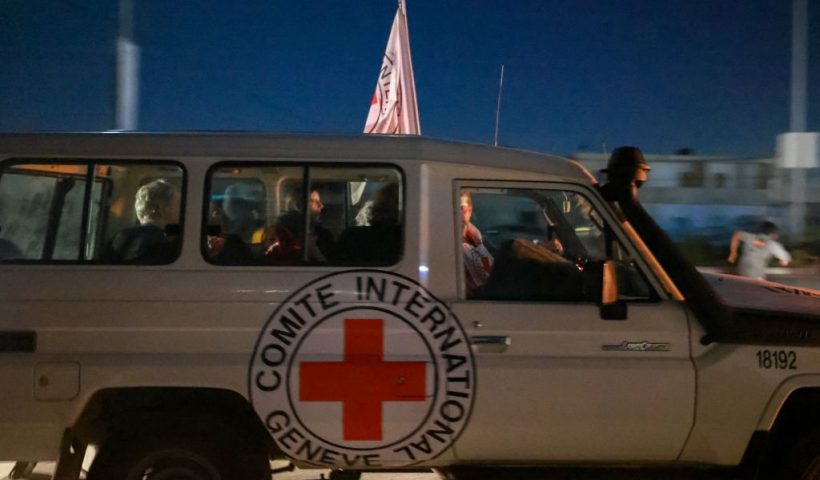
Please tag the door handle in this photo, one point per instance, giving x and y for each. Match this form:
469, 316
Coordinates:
490, 343
490, 340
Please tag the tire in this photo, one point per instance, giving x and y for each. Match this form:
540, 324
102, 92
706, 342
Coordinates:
178, 456
803, 461
345, 475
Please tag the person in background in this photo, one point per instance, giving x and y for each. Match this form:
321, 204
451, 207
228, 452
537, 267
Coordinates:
757, 250
156, 206
478, 261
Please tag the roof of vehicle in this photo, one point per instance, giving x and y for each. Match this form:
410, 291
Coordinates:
235, 145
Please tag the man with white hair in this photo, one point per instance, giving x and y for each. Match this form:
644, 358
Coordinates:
156, 206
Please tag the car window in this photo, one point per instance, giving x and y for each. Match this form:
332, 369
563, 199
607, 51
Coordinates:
300, 215
91, 212
539, 245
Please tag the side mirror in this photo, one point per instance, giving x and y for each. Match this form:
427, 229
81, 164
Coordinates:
611, 308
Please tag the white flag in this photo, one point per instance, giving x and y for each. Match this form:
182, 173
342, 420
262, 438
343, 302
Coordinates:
394, 108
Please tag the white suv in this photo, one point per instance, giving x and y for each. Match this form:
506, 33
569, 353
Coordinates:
198, 304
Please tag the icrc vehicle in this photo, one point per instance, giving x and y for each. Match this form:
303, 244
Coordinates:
194, 305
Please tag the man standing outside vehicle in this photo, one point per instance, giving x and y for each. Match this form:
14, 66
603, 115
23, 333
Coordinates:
758, 249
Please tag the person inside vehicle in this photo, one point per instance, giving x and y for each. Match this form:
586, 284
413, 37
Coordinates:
241, 206
156, 206
379, 242
524, 268
224, 248
478, 261
279, 243
283, 242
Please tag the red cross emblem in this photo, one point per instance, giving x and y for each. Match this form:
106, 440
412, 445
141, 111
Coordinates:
363, 381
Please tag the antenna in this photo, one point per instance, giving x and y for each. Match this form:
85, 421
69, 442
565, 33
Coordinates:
498, 106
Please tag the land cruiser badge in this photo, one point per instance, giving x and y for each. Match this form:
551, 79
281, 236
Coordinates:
363, 369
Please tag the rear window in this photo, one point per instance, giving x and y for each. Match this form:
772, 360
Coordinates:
90, 212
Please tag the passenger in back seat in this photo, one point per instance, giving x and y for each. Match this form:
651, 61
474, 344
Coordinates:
241, 205
380, 242
285, 241
224, 248
156, 205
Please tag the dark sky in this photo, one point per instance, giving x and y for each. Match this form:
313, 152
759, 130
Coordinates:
711, 75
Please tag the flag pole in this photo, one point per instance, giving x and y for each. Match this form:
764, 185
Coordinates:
498, 106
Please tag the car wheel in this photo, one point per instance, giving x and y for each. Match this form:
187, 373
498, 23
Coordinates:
178, 456
803, 462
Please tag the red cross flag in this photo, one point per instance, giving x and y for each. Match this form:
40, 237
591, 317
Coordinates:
394, 108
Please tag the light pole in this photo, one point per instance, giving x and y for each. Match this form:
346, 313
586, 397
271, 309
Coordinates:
127, 101
797, 121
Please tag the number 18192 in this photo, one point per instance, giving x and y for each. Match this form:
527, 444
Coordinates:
777, 359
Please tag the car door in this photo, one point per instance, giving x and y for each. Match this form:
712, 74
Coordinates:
555, 381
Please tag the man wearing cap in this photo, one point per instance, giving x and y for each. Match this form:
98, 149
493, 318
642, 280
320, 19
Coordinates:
627, 170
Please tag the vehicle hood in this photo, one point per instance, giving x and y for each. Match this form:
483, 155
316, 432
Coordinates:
747, 294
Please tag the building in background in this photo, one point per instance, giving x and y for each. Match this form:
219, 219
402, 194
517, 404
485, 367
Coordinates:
709, 197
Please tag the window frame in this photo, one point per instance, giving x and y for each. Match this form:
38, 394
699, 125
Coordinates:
306, 166
611, 231
91, 163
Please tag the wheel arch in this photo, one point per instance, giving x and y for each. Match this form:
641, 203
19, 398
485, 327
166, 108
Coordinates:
798, 415
793, 413
115, 409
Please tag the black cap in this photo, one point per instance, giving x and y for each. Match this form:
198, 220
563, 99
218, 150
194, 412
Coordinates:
624, 162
